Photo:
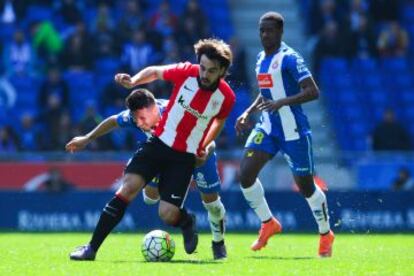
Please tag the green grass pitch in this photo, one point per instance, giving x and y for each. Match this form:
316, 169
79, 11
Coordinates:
287, 254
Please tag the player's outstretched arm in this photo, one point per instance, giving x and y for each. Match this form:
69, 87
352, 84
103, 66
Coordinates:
146, 75
242, 122
80, 142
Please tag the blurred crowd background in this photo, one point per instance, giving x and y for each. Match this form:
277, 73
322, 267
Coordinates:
58, 59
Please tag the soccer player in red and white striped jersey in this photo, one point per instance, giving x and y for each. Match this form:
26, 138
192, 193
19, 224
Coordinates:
199, 104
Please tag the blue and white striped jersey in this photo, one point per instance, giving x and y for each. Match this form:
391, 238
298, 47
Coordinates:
278, 76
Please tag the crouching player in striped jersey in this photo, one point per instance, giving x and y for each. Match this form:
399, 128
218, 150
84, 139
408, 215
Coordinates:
196, 113
285, 83
143, 113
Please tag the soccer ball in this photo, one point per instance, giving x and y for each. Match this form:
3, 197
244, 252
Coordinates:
158, 246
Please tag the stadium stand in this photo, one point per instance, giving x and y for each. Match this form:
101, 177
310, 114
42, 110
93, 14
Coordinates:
51, 26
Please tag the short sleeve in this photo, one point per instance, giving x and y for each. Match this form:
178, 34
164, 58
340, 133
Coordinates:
228, 103
296, 66
180, 71
124, 119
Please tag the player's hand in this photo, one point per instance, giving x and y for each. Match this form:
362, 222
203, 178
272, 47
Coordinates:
77, 143
124, 80
201, 158
242, 123
270, 106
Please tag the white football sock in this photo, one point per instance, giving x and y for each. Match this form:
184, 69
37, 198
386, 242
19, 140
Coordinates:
317, 203
216, 213
148, 200
255, 197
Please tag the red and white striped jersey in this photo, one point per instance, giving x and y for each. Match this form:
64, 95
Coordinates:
191, 110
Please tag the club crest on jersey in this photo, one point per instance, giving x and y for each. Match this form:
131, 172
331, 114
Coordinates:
275, 65
214, 104
265, 80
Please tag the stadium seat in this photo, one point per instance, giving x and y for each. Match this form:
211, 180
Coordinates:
408, 14
347, 97
407, 97
403, 81
6, 31
371, 82
394, 65
39, 13
364, 65
107, 65
337, 65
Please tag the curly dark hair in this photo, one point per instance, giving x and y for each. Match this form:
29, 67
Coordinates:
214, 49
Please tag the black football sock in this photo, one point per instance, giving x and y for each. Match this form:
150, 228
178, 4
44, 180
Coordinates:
185, 219
111, 215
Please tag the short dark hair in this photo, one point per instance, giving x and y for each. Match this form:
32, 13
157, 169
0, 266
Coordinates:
214, 49
275, 16
139, 98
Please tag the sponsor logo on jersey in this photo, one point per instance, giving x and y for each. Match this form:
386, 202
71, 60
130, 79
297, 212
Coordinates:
190, 109
265, 80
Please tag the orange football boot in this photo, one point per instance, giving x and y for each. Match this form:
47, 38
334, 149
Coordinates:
325, 244
267, 230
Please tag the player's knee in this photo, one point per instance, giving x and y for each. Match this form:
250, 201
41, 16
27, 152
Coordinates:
150, 200
247, 178
306, 185
210, 197
168, 214
151, 195
132, 184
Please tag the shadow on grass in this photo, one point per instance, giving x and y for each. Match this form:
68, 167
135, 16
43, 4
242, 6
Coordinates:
280, 258
196, 262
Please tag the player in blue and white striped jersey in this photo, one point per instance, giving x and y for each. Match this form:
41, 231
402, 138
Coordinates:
285, 83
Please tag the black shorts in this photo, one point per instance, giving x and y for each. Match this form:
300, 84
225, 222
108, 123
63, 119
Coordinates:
174, 169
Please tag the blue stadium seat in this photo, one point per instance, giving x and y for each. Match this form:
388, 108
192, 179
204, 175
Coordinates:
347, 97
342, 83
402, 81
394, 65
364, 65
107, 65
371, 82
337, 65
39, 13
408, 14
359, 143
6, 31
407, 97
26, 89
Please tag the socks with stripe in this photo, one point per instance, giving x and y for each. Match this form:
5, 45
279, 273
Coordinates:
318, 204
111, 215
